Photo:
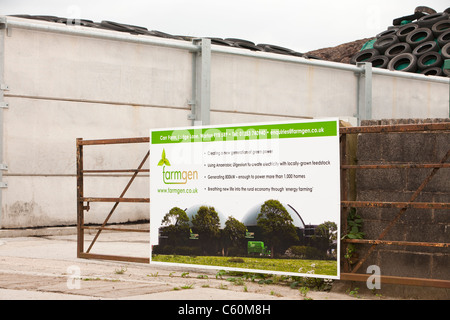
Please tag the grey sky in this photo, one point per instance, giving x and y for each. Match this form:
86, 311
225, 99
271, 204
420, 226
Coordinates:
298, 25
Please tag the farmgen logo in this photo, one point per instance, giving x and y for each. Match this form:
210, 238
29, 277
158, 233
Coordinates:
175, 176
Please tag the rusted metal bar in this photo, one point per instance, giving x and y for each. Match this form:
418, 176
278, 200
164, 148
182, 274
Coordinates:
396, 128
115, 141
402, 210
80, 203
344, 159
144, 200
117, 229
116, 171
397, 166
121, 196
398, 280
377, 204
399, 243
86, 255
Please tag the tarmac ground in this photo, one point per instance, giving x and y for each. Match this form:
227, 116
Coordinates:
42, 264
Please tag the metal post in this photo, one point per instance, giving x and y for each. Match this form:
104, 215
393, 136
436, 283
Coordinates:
3, 105
364, 103
447, 67
80, 202
202, 107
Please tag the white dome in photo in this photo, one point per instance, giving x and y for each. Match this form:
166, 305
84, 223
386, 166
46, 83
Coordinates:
251, 216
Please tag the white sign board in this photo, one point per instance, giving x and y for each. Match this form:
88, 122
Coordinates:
261, 197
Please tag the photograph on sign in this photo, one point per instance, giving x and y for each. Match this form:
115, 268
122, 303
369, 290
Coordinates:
262, 197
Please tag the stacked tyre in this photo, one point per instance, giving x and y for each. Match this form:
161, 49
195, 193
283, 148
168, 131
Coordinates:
417, 43
137, 30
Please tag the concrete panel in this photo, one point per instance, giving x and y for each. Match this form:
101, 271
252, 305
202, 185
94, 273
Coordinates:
44, 64
245, 84
40, 135
395, 98
39, 148
51, 200
38, 201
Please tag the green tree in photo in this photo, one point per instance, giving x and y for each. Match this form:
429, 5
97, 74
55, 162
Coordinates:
233, 235
325, 236
276, 225
207, 224
176, 226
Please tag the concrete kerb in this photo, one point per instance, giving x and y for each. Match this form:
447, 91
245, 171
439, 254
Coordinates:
37, 232
56, 231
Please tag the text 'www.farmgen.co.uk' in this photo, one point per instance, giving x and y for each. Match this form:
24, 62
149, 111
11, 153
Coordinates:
178, 190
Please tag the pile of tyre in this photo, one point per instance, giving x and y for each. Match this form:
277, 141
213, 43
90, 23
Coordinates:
418, 43
142, 31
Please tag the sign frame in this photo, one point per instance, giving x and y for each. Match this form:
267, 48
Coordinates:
193, 163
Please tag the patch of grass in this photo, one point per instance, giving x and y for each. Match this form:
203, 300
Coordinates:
153, 275
99, 279
223, 286
237, 281
322, 267
91, 279
188, 286
276, 294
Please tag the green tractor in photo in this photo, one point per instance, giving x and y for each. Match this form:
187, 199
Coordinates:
193, 236
257, 248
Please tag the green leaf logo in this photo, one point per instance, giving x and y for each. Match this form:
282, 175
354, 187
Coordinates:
164, 160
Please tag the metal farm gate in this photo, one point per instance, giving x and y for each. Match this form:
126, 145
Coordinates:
83, 202
348, 271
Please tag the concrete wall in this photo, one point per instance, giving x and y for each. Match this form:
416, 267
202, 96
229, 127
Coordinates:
62, 87
416, 225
